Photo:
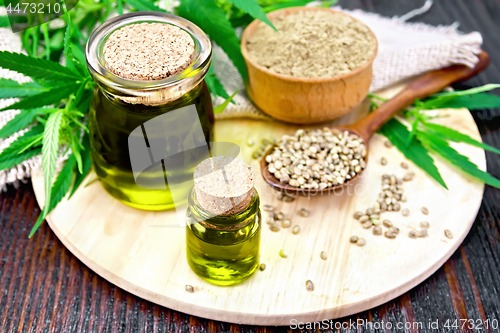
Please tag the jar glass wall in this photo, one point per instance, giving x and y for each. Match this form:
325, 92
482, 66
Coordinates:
223, 250
148, 136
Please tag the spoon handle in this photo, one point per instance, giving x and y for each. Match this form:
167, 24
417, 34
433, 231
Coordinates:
425, 85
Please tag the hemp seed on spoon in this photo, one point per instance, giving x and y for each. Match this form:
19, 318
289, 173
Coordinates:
317, 159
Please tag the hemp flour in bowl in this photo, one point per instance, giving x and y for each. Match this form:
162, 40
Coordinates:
315, 68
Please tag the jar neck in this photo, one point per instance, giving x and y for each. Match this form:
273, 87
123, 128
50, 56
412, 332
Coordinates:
224, 222
157, 92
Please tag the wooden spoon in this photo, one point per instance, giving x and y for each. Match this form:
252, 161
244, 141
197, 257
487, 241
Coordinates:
424, 86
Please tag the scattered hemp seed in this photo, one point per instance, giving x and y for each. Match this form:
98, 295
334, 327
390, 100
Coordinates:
354, 239
357, 215
189, 288
390, 234
361, 242
404, 165
295, 229
262, 267
367, 224
286, 223
422, 233
425, 225
408, 177
425, 211
280, 216
309, 285
323, 255
394, 230
405, 212
448, 233
288, 198
412, 234
377, 231
383, 161
250, 143
274, 227
364, 218
268, 208
388, 144
283, 254
304, 212
387, 224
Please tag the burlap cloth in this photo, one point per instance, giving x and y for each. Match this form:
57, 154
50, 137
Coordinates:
405, 50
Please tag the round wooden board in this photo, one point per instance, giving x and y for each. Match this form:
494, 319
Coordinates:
129, 248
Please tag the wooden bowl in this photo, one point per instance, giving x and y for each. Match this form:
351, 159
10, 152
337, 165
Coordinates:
305, 100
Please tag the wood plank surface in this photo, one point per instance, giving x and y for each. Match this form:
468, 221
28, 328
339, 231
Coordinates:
43, 288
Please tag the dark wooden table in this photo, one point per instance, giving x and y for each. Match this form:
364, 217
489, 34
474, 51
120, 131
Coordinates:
44, 288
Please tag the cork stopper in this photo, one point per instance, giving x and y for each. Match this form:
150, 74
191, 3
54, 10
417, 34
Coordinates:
223, 185
148, 51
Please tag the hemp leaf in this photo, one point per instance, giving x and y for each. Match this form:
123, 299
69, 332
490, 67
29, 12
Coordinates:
57, 191
36, 68
399, 135
223, 106
252, 7
50, 150
22, 120
12, 89
455, 136
52, 96
213, 21
441, 147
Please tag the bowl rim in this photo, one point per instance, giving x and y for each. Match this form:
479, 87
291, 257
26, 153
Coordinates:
250, 29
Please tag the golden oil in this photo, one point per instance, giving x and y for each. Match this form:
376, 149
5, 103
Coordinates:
111, 123
223, 250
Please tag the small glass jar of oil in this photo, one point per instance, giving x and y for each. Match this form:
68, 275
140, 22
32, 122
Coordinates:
148, 135
223, 240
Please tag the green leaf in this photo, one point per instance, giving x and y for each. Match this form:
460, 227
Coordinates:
456, 136
50, 150
214, 85
4, 22
442, 148
472, 102
472, 91
67, 46
10, 155
398, 134
223, 106
57, 192
52, 96
213, 21
295, 3
75, 148
439, 101
143, 5
252, 7
12, 89
19, 158
22, 120
36, 68
86, 164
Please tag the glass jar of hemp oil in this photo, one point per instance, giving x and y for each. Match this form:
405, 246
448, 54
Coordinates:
223, 222
151, 117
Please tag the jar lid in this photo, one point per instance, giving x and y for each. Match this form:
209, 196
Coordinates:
149, 92
223, 185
